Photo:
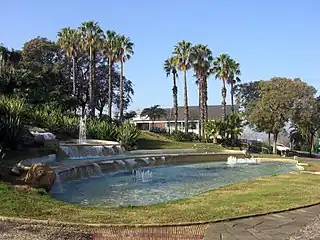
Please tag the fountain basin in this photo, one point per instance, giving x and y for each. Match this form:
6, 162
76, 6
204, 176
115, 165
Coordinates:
158, 184
89, 148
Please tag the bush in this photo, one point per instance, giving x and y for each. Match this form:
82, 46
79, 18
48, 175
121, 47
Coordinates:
101, 130
158, 130
12, 131
182, 137
128, 135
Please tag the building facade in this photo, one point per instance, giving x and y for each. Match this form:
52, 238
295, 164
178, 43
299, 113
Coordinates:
167, 123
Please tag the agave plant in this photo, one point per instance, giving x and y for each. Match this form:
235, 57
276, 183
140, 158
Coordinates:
12, 131
128, 135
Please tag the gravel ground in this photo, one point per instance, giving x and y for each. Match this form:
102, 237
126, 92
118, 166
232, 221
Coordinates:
18, 231
309, 232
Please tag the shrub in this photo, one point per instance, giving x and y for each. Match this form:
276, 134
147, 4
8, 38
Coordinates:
12, 131
128, 135
181, 136
101, 130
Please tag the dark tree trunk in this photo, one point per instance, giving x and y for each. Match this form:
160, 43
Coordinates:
223, 103
91, 85
275, 139
186, 107
175, 102
232, 95
74, 77
121, 91
100, 112
200, 123
201, 107
110, 89
269, 139
205, 95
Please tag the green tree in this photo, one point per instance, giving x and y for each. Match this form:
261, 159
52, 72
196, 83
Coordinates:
233, 79
278, 100
110, 49
181, 56
170, 68
125, 51
221, 69
69, 41
91, 40
306, 120
154, 113
201, 59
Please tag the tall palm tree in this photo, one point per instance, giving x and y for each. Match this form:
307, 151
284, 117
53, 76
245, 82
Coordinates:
125, 51
221, 69
91, 39
110, 49
170, 68
201, 59
181, 56
233, 79
69, 40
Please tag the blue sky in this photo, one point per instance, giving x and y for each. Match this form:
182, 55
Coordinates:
268, 38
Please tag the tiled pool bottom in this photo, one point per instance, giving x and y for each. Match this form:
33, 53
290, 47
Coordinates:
159, 184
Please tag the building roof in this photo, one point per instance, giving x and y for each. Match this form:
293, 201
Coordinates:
214, 112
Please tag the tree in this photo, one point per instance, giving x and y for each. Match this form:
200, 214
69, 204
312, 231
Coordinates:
125, 51
181, 56
306, 120
221, 69
234, 73
91, 40
110, 49
154, 112
247, 93
201, 59
278, 99
170, 68
69, 40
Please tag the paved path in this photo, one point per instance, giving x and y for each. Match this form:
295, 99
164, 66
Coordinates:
297, 224
302, 224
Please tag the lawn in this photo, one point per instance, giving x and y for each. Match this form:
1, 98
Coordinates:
148, 140
250, 197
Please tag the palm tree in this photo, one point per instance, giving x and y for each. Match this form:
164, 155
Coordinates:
110, 49
91, 40
125, 51
154, 112
233, 79
69, 40
221, 69
181, 56
201, 59
170, 68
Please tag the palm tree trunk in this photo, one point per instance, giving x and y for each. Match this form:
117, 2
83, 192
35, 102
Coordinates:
186, 107
121, 91
205, 95
202, 105
110, 89
200, 102
73, 75
232, 95
91, 85
175, 102
223, 103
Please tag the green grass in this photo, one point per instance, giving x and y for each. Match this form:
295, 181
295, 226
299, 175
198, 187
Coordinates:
250, 197
148, 140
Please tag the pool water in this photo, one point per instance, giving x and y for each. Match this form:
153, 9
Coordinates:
162, 183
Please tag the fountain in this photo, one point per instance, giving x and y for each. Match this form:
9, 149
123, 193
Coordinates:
82, 130
142, 175
233, 160
83, 148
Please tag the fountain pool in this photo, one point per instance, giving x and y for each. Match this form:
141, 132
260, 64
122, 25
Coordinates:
157, 184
